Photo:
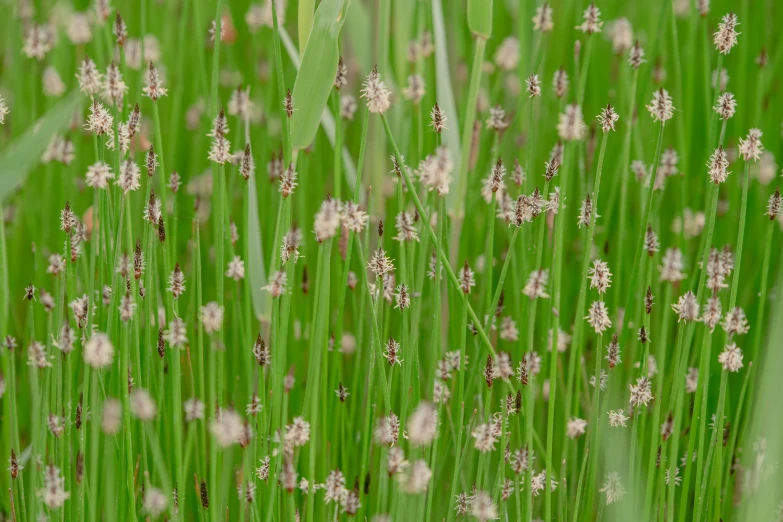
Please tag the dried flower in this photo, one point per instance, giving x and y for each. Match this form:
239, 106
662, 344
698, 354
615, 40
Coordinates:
661, 107
751, 147
718, 166
542, 21
726, 35
375, 92
608, 118
592, 22
154, 85
726, 106
636, 56
731, 358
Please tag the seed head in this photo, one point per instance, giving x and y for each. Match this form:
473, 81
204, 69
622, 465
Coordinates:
613, 352
718, 166
571, 125
100, 121
327, 220
751, 147
89, 77
114, 88
648, 300
536, 284
348, 106
466, 278
414, 90
712, 312
641, 392
661, 107
392, 353
497, 119
726, 35
99, 351
598, 317
731, 358
726, 106
542, 21
154, 85
423, 425
341, 76
608, 118
128, 179
636, 56
376, 93
288, 104
439, 119
533, 85
592, 20
735, 322
507, 54
586, 213
560, 82
775, 205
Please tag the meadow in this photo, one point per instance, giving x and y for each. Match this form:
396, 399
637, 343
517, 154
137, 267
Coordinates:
391, 260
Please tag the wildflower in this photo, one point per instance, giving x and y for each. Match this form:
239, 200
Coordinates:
533, 85
405, 225
485, 438
718, 166
227, 428
194, 409
53, 85
600, 276
392, 352
466, 277
80, 307
99, 351
154, 85
592, 22
620, 33
38, 41
661, 108
422, 425
536, 284
672, 265
142, 405
176, 334
236, 269
641, 392
726, 35
542, 21
155, 501
602, 380
571, 126
613, 352
176, 282
497, 118
402, 297
418, 477
261, 352
100, 121
775, 205
608, 118
731, 358
686, 307
636, 56
127, 307
53, 493
560, 82
212, 317
89, 77
438, 119
98, 175
4, 110
380, 264
726, 106
327, 220
128, 179
751, 147
617, 418
483, 507
575, 427
507, 54
375, 92
712, 313
612, 488
415, 89
735, 322
298, 432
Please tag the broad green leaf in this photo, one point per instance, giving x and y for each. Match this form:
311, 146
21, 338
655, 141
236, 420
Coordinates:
480, 17
327, 119
25, 152
316, 75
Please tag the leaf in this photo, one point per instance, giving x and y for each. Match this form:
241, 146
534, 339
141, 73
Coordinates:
316, 75
327, 119
480, 17
25, 152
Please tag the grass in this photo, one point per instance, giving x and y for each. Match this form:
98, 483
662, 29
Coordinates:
311, 383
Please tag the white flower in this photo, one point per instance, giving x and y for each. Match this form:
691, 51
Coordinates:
731, 358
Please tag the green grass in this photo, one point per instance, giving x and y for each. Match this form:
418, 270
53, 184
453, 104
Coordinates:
331, 327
